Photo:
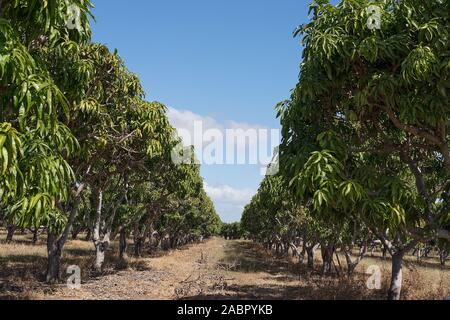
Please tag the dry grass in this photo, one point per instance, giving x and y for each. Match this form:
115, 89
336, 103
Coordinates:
264, 275
216, 269
23, 265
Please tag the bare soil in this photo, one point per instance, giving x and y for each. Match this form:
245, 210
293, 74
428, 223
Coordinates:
215, 269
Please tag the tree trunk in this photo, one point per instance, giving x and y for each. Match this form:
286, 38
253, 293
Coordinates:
301, 257
75, 233
419, 254
123, 245
310, 260
138, 239
35, 236
100, 243
138, 246
427, 251
285, 248
9, 237
55, 245
352, 264
327, 258
54, 258
100, 249
397, 276
443, 256
89, 235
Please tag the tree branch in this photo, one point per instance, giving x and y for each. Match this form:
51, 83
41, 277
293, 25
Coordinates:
442, 145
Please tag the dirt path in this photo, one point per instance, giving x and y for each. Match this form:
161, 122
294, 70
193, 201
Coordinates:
214, 269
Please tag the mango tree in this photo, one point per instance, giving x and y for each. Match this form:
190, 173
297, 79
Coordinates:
382, 92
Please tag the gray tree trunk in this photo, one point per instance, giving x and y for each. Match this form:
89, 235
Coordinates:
397, 276
100, 250
54, 257
301, 257
352, 264
101, 245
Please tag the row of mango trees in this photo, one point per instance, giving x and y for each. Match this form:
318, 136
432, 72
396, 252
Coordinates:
365, 153
80, 147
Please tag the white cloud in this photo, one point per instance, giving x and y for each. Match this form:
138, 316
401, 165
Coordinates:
185, 119
228, 195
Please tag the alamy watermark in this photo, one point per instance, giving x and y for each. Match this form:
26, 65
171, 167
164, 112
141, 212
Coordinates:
234, 146
375, 277
374, 19
74, 17
74, 279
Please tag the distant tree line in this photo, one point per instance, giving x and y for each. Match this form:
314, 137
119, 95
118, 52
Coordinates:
232, 231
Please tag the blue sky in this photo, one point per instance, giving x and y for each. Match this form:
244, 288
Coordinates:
227, 61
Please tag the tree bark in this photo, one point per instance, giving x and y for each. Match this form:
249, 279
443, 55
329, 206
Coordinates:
89, 234
301, 257
35, 236
123, 245
440, 143
327, 258
139, 239
310, 258
101, 245
138, 245
100, 250
75, 233
443, 256
397, 276
10, 233
352, 264
55, 245
54, 257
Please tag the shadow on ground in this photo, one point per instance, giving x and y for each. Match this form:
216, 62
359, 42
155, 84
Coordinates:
23, 274
288, 280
